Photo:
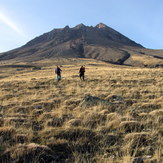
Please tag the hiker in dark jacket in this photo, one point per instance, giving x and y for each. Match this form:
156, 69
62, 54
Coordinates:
81, 72
58, 73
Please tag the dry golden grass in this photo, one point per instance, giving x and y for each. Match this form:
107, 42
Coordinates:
115, 115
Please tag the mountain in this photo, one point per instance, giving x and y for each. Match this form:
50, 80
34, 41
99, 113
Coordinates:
100, 42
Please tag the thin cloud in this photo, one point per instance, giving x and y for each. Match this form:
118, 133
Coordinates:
6, 20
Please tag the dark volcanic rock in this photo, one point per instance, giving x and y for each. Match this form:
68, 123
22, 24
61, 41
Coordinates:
99, 42
89, 101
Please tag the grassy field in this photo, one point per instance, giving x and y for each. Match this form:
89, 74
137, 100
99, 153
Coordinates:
114, 116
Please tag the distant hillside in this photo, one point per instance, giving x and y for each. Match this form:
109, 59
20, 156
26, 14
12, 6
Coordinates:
100, 42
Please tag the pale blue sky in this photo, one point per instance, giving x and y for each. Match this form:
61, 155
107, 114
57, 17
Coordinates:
23, 20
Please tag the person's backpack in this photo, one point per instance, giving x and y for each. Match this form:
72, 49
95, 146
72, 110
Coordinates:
82, 70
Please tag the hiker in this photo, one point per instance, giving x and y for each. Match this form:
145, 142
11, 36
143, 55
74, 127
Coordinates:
81, 72
58, 73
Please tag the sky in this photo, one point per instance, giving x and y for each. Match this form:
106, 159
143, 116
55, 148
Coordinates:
23, 20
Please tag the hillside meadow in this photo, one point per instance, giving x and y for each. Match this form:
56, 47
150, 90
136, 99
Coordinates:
114, 116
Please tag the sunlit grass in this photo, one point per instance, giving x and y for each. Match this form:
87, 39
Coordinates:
123, 121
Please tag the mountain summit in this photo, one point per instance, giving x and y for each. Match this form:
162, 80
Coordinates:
101, 25
88, 34
98, 42
79, 26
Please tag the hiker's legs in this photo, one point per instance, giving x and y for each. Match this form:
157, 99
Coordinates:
58, 77
83, 76
80, 76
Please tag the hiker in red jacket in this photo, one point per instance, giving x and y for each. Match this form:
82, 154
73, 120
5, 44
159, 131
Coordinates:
81, 72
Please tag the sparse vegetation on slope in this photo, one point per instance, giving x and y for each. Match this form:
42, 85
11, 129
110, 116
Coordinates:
116, 115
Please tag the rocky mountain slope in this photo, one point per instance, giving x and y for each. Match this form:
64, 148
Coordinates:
100, 42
